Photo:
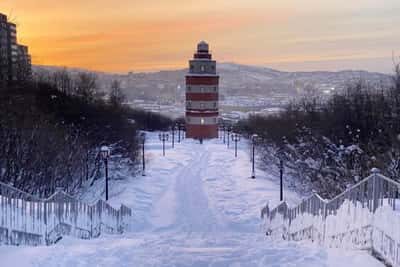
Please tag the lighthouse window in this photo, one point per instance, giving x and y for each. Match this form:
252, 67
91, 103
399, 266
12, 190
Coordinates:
191, 67
202, 105
215, 88
188, 88
202, 68
202, 121
215, 104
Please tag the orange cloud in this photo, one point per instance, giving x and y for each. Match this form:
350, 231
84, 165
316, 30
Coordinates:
121, 46
128, 35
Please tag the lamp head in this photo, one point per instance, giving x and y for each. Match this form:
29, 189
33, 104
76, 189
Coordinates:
254, 137
105, 152
142, 136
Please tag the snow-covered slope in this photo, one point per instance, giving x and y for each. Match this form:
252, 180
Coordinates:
196, 206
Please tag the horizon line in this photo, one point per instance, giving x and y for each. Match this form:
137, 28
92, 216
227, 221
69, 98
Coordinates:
269, 65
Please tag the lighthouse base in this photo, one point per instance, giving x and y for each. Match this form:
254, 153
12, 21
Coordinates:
202, 131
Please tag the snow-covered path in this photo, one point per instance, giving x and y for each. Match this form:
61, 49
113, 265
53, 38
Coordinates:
195, 207
193, 212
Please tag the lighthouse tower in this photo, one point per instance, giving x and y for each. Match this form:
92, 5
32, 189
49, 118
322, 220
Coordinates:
202, 95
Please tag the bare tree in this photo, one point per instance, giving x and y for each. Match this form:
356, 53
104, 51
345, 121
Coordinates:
63, 81
86, 86
116, 97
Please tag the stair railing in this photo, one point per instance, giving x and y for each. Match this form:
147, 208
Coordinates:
365, 216
28, 220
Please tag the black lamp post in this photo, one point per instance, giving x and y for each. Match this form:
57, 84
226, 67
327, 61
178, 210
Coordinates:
281, 178
163, 137
143, 140
236, 139
180, 128
254, 138
105, 154
280, 155
173, 135
229, 130
222, 129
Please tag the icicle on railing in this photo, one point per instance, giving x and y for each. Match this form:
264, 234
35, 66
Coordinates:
33, 221
365, 216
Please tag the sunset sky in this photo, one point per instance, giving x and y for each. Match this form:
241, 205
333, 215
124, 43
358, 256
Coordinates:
137, 35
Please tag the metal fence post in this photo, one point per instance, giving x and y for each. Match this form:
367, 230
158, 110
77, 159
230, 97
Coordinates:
375, 172
46, 219
324, 215
91, 220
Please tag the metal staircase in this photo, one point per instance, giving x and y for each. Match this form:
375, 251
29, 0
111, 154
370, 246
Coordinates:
28, 220
365, 216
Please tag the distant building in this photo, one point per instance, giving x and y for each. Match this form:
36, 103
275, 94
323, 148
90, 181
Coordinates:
15, 61
3, 49
24, 64
12, 51
202, 95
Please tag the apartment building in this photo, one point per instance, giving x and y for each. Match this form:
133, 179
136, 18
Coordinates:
24, 65
3, 50
15, 61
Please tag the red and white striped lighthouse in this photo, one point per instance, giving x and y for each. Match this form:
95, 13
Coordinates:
202, 95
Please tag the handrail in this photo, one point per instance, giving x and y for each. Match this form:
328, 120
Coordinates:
388, 179
6, 188
34, 221
349, 189
353, 187
320, 198
344, 217
60, 196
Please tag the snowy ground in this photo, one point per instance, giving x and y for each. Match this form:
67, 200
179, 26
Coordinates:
196, 206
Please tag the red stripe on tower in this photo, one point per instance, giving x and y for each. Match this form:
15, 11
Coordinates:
202, 95
202, 80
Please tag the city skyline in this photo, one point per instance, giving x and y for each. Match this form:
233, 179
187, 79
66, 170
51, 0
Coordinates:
153, 35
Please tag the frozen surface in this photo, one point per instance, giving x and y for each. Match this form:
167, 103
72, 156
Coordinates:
196, 206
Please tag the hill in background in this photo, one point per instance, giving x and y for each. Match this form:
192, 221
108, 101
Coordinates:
243, 88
